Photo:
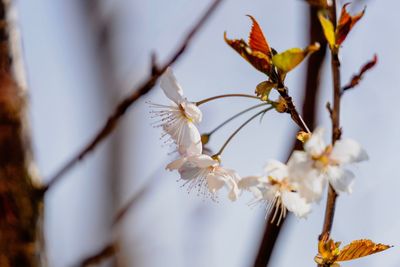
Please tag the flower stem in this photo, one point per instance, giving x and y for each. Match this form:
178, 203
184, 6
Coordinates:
241, 127
223, 96
234, 117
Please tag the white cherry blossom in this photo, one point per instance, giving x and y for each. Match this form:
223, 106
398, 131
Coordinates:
178, 119
205, 173
320, 163
276, 189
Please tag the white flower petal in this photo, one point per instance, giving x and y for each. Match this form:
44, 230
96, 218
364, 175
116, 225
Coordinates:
223, 177
215, 182
171, 87
341, 179
311, 186
257, 193
315, 146
191, 111
233, 190
190, 171
186, 135
176, 164
203, 161
270, 193
250, 181
276, 169
348, 151
296, 204
299, 165
190, 143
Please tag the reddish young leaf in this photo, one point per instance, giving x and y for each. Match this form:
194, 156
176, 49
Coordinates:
355, 80
257, 52
257, 40
346, 23
258, 59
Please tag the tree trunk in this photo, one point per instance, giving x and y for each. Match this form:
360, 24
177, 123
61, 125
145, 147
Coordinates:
20, 201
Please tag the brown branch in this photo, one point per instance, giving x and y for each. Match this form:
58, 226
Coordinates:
291, 109
336, 130
311, 87
141, 90
106, 252
356, 79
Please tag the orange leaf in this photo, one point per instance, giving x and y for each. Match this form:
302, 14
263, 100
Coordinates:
346, 23
360, 248
257, 40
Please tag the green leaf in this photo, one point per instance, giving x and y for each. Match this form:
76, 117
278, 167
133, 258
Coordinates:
289, 59
328, 29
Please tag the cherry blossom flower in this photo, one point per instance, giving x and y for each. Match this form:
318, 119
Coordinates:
320, 163
178, 119
276, 189
205, 173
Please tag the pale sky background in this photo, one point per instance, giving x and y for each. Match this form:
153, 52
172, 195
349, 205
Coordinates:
72, 91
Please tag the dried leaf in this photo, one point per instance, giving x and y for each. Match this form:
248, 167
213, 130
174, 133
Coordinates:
360, 248
264, 88
355, 80
346, 23
257, 40
329, 253
328, 29
289, 59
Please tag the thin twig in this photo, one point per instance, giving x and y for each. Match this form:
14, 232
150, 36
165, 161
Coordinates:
106, 252
336, 130
234, 117
201, 102
356, 78
123, 106
240, 128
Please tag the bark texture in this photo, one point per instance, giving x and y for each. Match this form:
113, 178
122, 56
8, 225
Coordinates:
20, 202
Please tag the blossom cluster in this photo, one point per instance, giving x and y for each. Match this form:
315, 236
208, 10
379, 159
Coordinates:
293, 186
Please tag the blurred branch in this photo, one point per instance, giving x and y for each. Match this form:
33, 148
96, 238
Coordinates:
314, 69
121, 213
106, 252
123, 106
20, 205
